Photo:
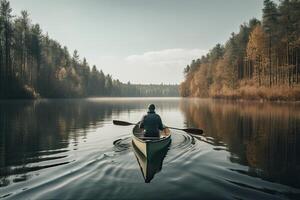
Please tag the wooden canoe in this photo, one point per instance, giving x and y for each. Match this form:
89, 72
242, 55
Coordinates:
149, 146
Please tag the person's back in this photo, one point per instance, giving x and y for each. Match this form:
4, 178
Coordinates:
151, 123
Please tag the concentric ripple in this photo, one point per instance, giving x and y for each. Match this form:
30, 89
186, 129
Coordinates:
123, 144
181, 145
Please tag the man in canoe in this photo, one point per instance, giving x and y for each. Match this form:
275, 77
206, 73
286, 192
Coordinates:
151, 123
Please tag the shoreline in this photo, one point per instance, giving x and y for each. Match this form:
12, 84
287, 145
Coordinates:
231, 98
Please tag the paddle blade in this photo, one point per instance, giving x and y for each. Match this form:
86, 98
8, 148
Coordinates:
194, 131
122, 123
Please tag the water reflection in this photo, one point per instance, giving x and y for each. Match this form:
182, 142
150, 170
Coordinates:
69, 149
39, 131
37, 135
150, 166
263, 136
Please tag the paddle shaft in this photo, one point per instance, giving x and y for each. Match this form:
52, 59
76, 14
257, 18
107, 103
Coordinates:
174, 128
187, 130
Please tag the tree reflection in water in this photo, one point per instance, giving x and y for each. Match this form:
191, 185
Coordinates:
263, 136
36, 131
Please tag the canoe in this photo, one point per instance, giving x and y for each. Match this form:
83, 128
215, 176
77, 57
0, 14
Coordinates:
149, 146
149, 167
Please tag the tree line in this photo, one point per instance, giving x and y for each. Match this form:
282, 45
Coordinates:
261, 61
32, 64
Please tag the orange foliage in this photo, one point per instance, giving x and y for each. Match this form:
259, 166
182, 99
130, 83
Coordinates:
256, 46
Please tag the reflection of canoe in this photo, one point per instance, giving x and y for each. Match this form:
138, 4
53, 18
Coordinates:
150, 167
150, 146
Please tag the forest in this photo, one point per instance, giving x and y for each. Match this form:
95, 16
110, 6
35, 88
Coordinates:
33, 65
261, 61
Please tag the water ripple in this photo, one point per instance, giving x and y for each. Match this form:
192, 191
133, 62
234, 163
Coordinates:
122, 144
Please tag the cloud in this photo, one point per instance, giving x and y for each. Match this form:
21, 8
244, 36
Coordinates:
166, 57
163, 66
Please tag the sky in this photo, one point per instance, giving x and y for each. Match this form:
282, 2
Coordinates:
141, 41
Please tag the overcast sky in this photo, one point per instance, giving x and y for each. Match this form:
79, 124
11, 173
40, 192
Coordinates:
141, 41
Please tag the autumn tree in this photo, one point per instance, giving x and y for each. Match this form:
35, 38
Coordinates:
260, 55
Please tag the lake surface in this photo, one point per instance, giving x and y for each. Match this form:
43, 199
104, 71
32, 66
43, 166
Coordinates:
69, 149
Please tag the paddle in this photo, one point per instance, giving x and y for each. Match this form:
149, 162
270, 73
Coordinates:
122, 123
195, 131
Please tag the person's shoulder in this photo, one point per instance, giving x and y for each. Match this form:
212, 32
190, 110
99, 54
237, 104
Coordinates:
144, 116
157, 115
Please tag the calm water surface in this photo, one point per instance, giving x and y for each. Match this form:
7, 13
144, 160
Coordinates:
69, 149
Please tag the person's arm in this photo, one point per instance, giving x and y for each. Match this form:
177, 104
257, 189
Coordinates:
160, 124
142, 123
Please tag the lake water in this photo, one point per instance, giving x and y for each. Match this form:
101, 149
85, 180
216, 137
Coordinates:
69, 149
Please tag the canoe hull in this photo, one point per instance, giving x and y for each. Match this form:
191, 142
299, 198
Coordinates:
150, 146
149, 167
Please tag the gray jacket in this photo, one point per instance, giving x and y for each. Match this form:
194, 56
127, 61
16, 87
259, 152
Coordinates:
151, 123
